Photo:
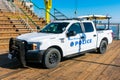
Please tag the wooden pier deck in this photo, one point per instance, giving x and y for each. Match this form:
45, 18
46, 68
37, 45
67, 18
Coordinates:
92, 66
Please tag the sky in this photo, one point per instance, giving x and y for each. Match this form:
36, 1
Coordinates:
84, 7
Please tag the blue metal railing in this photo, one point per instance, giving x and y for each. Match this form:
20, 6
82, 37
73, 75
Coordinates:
115, 27
29, 18
40, 9
26, 16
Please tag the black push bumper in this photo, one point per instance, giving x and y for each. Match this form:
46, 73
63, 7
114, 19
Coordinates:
20, 50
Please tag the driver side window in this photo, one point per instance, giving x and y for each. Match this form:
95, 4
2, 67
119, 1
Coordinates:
75, 27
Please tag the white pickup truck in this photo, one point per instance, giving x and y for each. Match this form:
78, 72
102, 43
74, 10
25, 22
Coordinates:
57, 40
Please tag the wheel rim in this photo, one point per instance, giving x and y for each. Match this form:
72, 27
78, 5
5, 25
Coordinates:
53, 58
103, 47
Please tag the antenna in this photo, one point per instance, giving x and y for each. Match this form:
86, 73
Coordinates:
76, 6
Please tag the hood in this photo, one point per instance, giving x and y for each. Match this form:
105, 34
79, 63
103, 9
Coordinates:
36, 37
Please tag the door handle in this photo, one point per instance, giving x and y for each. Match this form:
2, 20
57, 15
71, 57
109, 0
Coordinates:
82, 37
94, 35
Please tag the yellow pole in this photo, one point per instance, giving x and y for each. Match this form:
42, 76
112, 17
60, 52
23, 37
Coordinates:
48, 6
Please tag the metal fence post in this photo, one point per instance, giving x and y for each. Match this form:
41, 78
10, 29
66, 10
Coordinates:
118, 31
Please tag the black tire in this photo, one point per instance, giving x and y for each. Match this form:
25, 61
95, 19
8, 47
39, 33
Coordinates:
103, 47
51, 58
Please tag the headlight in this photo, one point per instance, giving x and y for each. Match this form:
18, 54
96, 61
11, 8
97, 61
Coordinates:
34, 45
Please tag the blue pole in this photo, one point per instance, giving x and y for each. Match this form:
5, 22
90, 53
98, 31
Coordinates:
118, 31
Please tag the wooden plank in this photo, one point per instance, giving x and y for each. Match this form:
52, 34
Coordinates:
78, 68
112, 72
103, 66
93, 67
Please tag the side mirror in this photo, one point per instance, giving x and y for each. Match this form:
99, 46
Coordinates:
71, 33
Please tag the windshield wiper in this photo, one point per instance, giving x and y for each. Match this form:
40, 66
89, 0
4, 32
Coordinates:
45, 31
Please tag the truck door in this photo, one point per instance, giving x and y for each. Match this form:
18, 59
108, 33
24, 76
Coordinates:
89, 37
73, 38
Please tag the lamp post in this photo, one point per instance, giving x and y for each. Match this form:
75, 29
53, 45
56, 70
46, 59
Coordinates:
48, 6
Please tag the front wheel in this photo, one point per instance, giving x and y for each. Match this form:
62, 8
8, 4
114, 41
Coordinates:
51, 58
103, 47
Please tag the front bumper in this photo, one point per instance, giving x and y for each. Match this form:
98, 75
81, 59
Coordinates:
34, 56
20, 49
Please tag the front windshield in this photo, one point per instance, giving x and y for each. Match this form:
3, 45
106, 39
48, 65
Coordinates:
56, 27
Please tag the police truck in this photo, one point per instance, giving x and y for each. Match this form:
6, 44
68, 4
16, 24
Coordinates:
59, 39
